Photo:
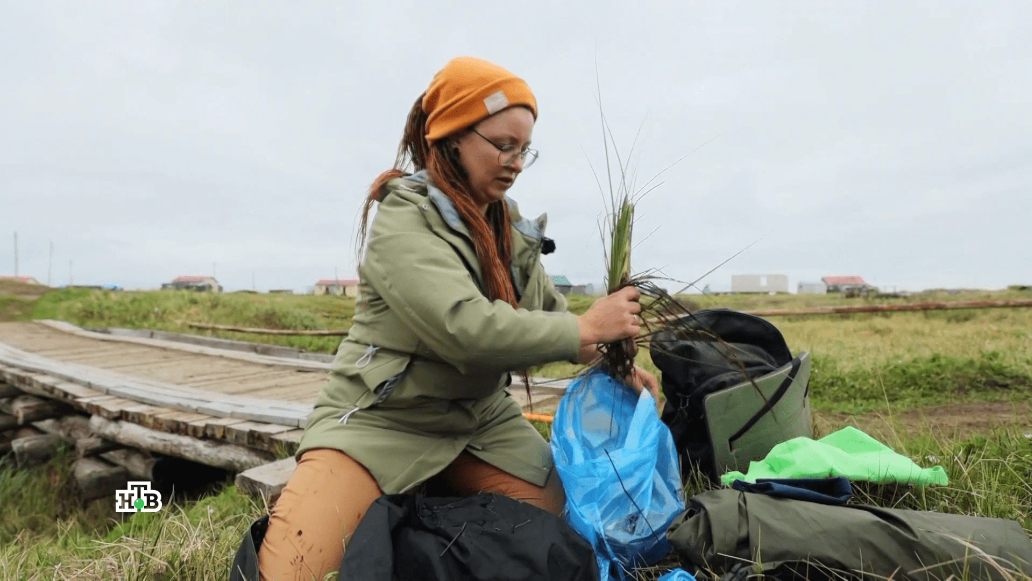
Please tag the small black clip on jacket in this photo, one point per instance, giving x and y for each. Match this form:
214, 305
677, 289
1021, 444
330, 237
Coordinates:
547, 245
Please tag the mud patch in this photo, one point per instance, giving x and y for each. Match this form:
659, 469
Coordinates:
942, 422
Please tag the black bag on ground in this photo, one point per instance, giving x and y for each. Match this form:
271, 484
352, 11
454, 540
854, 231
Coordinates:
245, 562
486, 536
725, 528
733, 389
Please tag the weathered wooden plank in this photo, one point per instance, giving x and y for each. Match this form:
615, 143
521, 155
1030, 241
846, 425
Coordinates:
289, 388
109, 408
261, 436
220, 455
143, 414
267, 480
279, 351
22, 381
72, 391
216, 428
177, 422
242, 356
240, 433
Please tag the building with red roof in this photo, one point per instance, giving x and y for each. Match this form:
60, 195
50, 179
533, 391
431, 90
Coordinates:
848, 284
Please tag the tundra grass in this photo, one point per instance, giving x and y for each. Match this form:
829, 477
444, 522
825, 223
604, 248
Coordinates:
174, 310
45, 537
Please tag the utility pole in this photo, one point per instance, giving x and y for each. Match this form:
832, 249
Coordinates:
50, 262
15, 254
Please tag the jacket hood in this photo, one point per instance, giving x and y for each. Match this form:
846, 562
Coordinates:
420, 181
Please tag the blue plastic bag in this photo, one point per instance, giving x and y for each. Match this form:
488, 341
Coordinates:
676, 575
619, 469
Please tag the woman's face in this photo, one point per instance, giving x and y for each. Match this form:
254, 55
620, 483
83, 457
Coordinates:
491, 141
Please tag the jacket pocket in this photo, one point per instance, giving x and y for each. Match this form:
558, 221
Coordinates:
371, 366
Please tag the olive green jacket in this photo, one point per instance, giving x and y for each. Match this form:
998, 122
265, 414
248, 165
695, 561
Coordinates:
427, 350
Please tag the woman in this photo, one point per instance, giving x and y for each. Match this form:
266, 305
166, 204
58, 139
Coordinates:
453, 299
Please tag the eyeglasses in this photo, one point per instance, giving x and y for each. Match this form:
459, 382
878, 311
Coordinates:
506, 155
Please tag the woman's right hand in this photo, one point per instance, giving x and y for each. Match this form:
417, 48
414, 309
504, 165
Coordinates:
611, 318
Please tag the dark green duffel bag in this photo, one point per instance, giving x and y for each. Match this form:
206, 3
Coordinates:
724, 528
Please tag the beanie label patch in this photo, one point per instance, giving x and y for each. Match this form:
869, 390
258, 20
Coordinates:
495, 102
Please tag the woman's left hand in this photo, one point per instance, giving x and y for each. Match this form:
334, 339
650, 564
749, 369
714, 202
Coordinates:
640, 379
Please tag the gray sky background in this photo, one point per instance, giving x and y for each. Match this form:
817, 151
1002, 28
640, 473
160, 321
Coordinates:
887, 139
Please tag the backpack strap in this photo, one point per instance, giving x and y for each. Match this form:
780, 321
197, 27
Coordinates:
771, 402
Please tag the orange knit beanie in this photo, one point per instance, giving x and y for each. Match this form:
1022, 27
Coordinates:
467, 90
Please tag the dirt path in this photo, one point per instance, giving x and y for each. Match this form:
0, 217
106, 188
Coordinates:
947, 421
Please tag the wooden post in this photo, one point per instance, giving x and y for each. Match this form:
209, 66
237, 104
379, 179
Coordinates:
35, 449
7, 422
8, 390
92, 446
139, 465
27, 408
97, 479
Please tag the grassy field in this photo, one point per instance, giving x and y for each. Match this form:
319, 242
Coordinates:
945, 387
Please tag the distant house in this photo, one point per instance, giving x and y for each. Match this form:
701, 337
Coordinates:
20, 278
849, 285
561, 283
339, 287
759, 283
812, 288
193, 282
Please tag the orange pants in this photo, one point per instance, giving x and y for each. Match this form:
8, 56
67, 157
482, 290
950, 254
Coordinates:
325, 498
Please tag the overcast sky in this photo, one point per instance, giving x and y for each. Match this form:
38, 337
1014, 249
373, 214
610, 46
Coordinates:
892, 140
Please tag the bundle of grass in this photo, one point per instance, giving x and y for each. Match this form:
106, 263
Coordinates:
660, 309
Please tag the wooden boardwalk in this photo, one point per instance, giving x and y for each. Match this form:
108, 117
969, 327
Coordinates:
247, 399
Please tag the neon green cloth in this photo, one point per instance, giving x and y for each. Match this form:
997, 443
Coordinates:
848, 452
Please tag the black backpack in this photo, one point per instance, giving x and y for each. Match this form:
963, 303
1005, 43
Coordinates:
733, 389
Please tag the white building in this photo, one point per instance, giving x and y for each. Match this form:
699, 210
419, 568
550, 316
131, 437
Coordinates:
759, 283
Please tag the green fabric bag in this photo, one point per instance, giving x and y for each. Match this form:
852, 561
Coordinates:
848, 452
723, 528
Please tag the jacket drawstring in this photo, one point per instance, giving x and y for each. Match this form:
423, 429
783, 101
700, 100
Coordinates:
367, 356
